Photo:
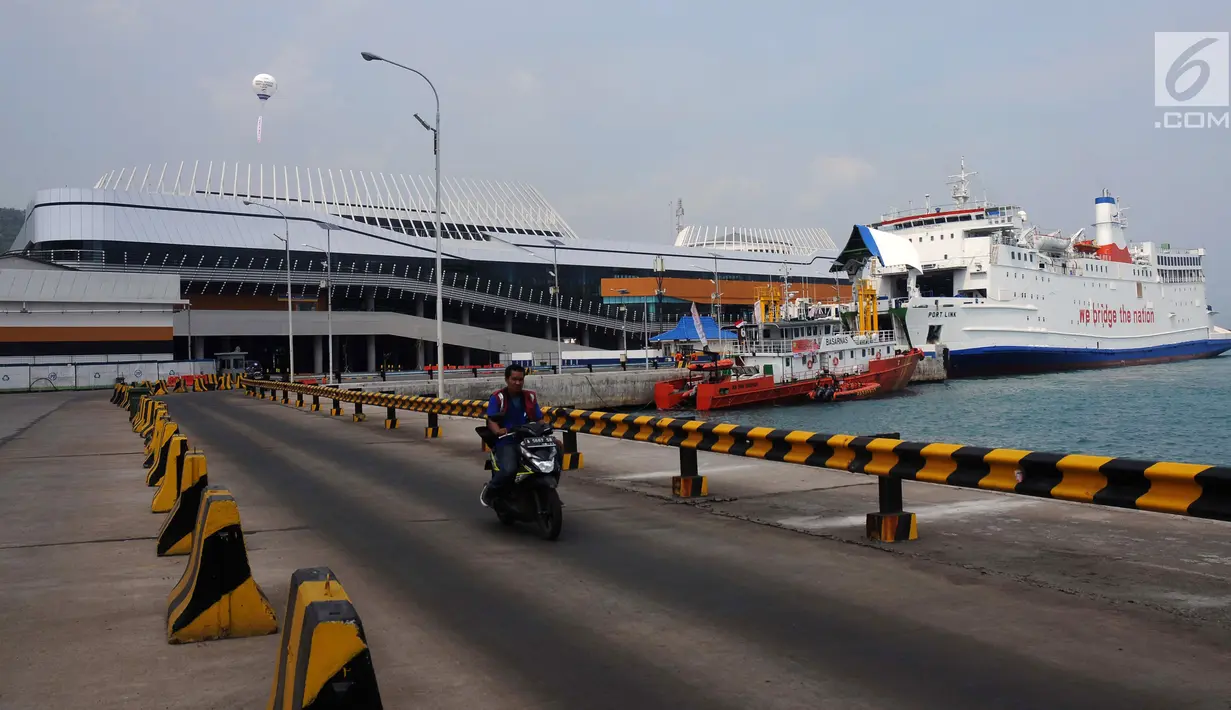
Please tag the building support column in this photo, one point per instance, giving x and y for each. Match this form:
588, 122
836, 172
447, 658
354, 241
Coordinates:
318, 353
466, 321
371, 353
508, 322
585, 337
198, 348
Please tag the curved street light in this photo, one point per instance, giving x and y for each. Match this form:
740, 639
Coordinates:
290, 330
440, 303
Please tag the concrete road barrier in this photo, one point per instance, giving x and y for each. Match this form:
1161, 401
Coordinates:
155, 438
162, 454
140, 413
181, 471
175, 536
323, 657
217, 596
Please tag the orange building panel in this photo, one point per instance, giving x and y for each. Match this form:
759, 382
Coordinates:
733, 292
50, 334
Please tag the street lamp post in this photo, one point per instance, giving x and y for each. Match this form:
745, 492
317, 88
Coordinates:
290, 329
329, 284
624, 312
645, 329
716, 297
555, 266
440, 303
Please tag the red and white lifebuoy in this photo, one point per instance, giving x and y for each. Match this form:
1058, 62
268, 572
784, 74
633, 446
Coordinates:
835, 362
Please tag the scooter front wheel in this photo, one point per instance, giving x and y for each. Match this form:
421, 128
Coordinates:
549, 513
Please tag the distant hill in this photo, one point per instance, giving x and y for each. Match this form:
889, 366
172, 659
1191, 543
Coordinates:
10, 223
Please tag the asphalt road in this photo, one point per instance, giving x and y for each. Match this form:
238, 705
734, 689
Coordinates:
645, 604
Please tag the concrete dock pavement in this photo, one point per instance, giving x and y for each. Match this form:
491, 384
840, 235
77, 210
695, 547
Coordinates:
642, 603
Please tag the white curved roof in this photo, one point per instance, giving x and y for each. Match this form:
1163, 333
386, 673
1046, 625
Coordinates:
773, 241
370, 197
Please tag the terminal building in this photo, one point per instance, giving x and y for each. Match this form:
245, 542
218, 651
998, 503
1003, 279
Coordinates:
362, 253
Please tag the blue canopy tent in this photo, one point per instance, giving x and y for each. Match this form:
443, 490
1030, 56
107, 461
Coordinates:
686, 331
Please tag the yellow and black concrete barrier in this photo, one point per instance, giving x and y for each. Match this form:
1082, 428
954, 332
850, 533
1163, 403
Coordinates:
162, 454
175, 536
158, 414
323, 657
183, 470
217, 596
144, 408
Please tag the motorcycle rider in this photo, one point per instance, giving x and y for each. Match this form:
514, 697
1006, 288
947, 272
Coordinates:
507, 409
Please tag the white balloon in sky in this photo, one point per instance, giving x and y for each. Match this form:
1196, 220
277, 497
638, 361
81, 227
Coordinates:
265, 86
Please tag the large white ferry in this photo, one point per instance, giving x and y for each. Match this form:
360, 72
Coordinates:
981, 286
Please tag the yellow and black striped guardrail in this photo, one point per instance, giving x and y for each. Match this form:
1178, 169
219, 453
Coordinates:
1195, 490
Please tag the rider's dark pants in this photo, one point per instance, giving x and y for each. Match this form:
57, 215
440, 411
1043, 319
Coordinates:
506, 463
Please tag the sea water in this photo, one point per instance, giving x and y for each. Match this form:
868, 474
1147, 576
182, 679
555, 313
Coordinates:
1174, 412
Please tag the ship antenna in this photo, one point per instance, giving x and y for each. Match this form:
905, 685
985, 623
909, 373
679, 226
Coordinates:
961, 184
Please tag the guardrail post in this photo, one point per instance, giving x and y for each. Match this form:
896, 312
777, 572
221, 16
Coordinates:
891, 523
316, 403
286, 396
358, 416
336, 410
432, 431
299, 399
688, 484
572, 458
391, 418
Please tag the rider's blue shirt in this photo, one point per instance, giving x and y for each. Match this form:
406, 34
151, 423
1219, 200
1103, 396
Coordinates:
514, 417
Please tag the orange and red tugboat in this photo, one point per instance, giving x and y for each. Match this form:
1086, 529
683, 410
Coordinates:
797, 351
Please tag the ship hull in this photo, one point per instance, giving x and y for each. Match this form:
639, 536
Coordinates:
1010, 360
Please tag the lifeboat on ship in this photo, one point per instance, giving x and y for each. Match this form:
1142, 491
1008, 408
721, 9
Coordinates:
723, 364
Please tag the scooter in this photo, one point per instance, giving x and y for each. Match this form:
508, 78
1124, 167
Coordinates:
531, 496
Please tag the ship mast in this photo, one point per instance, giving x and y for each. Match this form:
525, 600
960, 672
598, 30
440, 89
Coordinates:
961, 185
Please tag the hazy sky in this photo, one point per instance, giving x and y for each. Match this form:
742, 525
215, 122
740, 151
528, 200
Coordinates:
770, 114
